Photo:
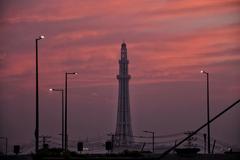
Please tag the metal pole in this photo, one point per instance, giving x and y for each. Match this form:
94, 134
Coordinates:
197, 130
208, 116
62, 120
37, 98
66, 135
6, 145
62, 93
205, 142
65, 112
37, 102
112, 142
153, 142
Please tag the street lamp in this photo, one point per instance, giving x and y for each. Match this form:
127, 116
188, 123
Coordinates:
37, 97
208, 117
66, 135
152, 139
6, 144
61, 90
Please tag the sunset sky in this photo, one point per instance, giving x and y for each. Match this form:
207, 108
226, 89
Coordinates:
168, 41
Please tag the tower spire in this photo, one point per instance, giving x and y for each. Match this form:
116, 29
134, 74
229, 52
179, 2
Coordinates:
124, 136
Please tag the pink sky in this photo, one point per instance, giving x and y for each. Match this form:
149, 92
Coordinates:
169, 42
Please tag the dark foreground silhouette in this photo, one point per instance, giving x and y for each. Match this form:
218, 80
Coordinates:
126, 156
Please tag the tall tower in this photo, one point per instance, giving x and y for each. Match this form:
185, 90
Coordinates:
123, 135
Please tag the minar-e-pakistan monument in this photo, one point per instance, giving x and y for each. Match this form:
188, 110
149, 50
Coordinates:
123, 134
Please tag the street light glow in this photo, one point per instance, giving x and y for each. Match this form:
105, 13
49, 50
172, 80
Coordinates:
203, 72
42, 37
51, 89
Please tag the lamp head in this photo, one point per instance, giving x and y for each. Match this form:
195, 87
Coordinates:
50, 89
204, 72
41, 37
72, 73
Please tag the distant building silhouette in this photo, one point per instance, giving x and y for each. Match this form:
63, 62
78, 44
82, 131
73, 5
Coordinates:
123, 134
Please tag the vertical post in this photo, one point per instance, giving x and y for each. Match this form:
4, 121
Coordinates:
205, 142
65, 112
6, 145
208, 117
153, 141
62, 93
112, 142
37, 102
62, 120
66, 135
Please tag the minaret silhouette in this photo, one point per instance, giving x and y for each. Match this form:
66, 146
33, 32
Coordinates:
123, 135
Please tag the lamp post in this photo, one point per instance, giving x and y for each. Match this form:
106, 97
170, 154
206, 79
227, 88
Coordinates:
6, 144
208, 117
152, 139
37, 98
66, 135
62, 91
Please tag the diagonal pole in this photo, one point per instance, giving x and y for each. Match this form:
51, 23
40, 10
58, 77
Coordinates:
197, 130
